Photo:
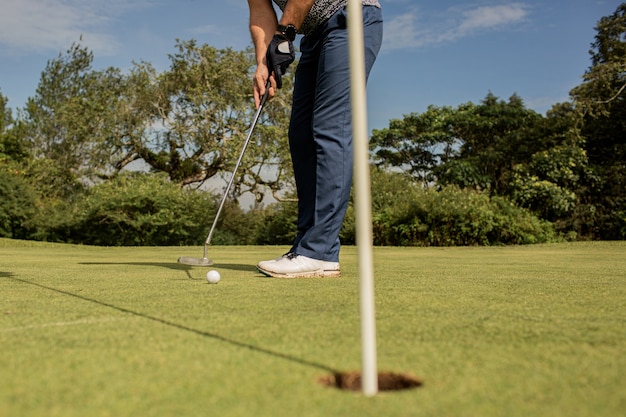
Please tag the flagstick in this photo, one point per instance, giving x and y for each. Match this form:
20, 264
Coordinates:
363, 208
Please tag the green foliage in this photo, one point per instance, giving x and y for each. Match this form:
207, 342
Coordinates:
472, 146
601, 98
493, 136
464, 173
235, 227
148, 209
53, 180
416, 144
499, 147
5, 114
188, 121
140, 209
17, 203
200, 111
56, 189
136, 209
406, 214
198, 114
278, 225
551, 181
604, 83
545, 197
457, 217
12, 133
74, 117
392, 192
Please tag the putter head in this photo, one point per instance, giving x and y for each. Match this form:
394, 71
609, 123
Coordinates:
186, 260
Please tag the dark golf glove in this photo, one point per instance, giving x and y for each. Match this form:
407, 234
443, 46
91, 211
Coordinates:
280, 54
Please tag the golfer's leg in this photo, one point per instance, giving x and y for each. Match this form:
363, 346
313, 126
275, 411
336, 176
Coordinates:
332, 134
301, 143
333, 148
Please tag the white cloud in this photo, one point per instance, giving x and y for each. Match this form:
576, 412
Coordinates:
488, 17
205, 30
409, 30
41, 25
401, 31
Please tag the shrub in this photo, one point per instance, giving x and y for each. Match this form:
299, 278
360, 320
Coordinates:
455, 217
17, 204
140, 209
147, 209
278, 225
391, 192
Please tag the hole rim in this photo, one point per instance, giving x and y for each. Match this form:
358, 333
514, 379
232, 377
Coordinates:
387, 381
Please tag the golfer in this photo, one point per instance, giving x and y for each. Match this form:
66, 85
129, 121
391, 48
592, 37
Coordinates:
320, 131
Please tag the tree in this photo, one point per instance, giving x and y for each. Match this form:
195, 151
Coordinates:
551, 182
416, 144
199, 112
6, 119
17, 197
471, 146
17, 204
73, 118
135, 209
604, 83
499, 147
188, 122
601, 98
493, 135
12, 144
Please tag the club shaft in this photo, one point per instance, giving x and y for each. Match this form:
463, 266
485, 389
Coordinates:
232, 178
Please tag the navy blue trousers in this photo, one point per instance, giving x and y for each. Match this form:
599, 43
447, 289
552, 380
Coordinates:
320, 131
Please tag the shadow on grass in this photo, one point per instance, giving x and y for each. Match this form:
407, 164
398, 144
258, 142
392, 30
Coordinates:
177, 266
167, 265
236, 267
177, 325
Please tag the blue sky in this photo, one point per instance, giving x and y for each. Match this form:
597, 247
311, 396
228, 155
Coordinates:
435, 52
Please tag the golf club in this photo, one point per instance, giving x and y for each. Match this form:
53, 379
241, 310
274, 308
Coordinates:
205, 261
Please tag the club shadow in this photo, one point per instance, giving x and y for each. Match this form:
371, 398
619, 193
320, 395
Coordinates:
174, 266
178, 266
169, 265
179, 326
236, 267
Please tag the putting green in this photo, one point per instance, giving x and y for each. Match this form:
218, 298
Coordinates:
507, 331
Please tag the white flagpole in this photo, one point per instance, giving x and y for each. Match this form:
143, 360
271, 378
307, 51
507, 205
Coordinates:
363, 205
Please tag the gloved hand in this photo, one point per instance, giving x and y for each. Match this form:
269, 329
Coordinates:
280, 54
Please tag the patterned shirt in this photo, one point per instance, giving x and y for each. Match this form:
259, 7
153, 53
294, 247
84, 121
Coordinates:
321, 11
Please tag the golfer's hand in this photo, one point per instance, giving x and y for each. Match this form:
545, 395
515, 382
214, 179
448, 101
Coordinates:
280, 54
262, 82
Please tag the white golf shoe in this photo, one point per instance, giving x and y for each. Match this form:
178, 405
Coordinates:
299, 266
263, 264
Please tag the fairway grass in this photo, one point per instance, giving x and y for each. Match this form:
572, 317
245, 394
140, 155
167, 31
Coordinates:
507, 331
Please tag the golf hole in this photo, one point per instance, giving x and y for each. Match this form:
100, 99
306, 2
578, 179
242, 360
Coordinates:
387, 381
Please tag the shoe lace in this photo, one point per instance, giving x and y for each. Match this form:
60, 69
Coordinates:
291, 255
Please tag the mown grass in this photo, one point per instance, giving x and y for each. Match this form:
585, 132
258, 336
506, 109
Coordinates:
508, 331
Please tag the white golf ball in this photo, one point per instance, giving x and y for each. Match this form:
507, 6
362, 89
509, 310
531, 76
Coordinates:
213, 276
